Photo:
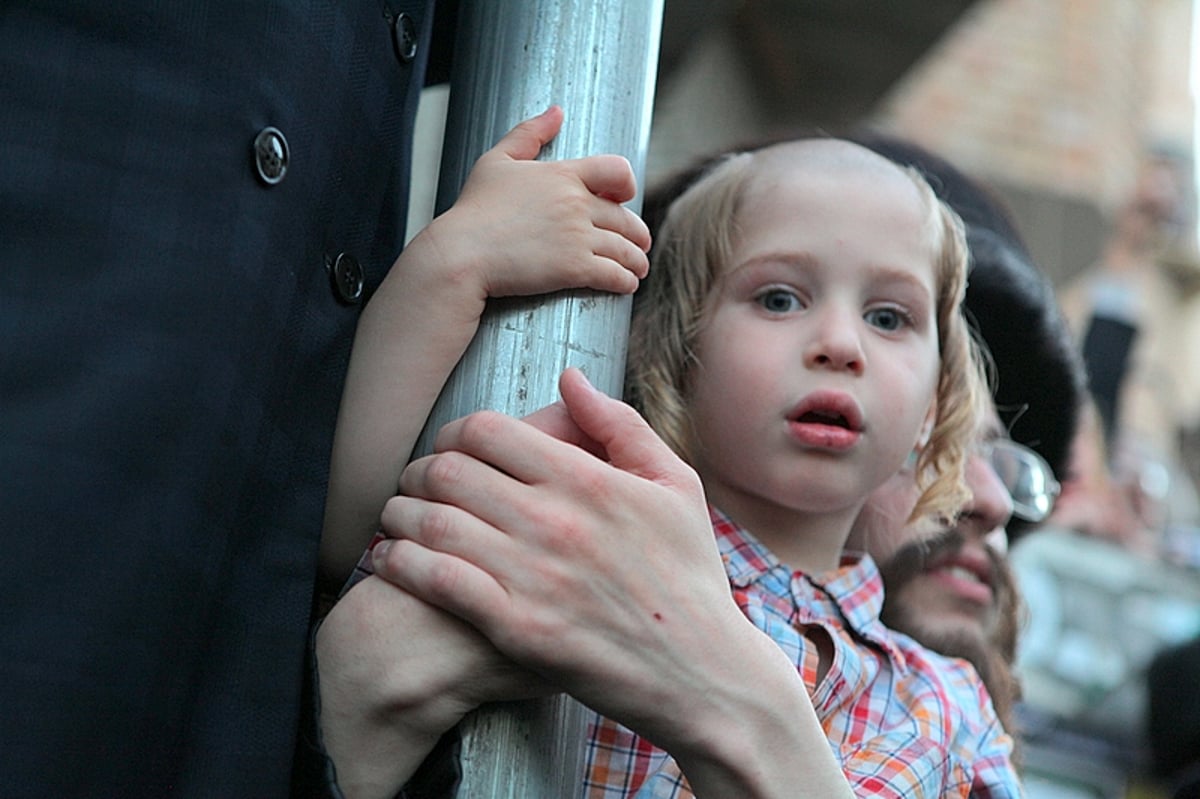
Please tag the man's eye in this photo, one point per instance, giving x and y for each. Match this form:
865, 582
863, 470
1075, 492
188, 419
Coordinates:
886, 318
779, 301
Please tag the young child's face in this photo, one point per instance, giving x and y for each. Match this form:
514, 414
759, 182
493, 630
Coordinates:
818, 359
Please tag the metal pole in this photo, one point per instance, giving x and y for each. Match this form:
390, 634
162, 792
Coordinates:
513, 59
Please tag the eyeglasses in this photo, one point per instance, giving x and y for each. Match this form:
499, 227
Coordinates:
1028, 478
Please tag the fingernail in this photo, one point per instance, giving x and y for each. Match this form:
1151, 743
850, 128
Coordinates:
379, 552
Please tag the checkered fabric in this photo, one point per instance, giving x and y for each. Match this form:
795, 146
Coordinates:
903, 721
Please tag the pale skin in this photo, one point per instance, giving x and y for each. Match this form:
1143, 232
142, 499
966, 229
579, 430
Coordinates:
830, 293
954, 594
582, 596
519, 227
600, 574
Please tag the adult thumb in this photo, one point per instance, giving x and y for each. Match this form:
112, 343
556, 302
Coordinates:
525, 141
624, 437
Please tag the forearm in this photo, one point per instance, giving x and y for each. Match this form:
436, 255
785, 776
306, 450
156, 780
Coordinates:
409, 339
380, 712
754, 733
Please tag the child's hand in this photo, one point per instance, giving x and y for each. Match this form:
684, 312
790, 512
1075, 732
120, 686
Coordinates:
396, 673
520, 227
524, 227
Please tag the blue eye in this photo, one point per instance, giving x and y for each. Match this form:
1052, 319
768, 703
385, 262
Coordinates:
779, 301
886, 318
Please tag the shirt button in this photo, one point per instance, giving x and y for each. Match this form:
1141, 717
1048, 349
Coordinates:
347, 276
270, 155
404, 37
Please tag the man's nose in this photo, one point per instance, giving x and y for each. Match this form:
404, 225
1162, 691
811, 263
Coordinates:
990, 506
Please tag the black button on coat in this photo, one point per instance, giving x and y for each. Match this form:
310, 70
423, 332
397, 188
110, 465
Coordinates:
171, 357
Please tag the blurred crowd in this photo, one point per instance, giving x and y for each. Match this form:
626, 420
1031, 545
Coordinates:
1112, 654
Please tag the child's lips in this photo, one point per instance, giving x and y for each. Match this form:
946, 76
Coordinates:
824, 436
827, 419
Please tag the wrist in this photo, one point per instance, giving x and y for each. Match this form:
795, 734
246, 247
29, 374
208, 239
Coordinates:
754, 732
439, 264
737, 714
376, 724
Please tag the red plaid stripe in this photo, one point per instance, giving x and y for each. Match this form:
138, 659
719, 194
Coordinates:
903, 721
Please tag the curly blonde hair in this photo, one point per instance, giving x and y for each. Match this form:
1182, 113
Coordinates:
694, 246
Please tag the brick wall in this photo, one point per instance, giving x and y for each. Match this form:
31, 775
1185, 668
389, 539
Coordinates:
1053, 100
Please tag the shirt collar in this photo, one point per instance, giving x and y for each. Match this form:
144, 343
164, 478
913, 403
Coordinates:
855, 587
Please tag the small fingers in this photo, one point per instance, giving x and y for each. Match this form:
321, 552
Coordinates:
607, 176
617, 218
527, 138
618, 264
604, 248
599, 245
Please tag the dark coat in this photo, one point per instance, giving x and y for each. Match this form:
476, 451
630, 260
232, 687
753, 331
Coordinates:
173, 351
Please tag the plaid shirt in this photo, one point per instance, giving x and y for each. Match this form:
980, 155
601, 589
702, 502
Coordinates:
902, 720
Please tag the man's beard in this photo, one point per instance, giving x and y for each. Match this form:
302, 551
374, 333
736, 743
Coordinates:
992, 653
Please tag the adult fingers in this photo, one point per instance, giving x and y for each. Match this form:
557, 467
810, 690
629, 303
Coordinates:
606, 427
507, 445
417, 562
491, 478
622, 434
497, 586
457, 503
555, 421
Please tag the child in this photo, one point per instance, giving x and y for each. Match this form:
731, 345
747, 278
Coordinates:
519, 227
798, 338
787, 344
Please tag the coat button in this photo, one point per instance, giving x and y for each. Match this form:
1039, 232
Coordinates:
270, 155
347, 277
404, 37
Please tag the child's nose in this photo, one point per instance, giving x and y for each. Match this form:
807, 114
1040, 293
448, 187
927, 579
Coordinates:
837, 344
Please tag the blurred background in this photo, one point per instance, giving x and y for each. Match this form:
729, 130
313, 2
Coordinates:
1052, 102
1080, 115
